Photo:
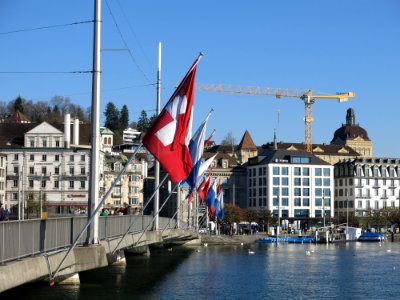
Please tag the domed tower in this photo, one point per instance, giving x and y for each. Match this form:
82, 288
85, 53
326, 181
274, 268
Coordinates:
353, 135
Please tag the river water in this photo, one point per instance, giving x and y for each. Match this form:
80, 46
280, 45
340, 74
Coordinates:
287, 271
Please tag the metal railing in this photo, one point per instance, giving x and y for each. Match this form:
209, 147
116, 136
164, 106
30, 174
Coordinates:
25, 238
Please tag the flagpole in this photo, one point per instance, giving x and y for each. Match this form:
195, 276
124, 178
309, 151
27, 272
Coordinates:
92, 236
157, 163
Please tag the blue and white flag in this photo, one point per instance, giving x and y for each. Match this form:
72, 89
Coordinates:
219, 211
196, 149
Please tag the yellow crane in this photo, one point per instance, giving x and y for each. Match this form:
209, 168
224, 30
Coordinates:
307, 96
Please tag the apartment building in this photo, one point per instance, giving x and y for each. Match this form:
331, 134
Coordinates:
366, 184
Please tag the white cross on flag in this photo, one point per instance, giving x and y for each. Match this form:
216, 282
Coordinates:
169, 136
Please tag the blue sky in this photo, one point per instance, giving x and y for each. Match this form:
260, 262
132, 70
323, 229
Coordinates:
329, 46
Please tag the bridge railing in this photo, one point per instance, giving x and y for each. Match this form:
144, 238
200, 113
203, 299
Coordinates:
34, 236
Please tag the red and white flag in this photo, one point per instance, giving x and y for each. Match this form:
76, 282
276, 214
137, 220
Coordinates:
169, 136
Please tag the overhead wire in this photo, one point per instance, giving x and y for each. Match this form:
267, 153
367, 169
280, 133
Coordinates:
45, 27
126, 44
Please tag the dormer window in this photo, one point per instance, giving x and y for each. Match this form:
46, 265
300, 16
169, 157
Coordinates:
213, 164
225, 163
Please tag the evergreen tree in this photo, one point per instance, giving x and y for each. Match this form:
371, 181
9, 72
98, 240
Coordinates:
112, 117
124, 120
19, 104
143, 122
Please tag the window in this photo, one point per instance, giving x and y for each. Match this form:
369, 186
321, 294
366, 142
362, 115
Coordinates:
43, 185
117, 190
327, 182
285, 170
285, 191
285, 201
306, 171
285, 181
44, 170
306, 201
275, 180
15, 183
301, 213
297, 201
117, 167
327, 172
318, 201
297, 171
306, 181
300, 160
71, 158
57, 171
297, 181
275, 170
71, 184
15, 156
224, 163
56, 184
31, 157
318, 181
32, 143
134, 190
44, 142
275, 202
15, 196
134, 178
83, 158
275, 191
57, 157
133, 201
83, 184
71, 170
16, 169
30, 183
83, 171
44, 157
58, 143
317, 171
297, 191
359, 204
31, 170
318, 213
306, 192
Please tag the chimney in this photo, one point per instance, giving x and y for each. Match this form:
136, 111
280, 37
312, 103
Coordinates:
67, 130
76, 131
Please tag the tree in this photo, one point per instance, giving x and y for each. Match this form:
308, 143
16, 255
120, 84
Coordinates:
19, 104
112, 117
143, 122
233, 213
124, 120
229, 139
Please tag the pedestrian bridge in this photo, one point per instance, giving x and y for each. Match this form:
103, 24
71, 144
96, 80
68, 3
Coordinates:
32, 249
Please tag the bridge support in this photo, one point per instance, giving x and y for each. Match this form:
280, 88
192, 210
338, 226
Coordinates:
70, 280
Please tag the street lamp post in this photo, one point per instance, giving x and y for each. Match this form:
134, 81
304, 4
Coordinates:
323, 208
279, 221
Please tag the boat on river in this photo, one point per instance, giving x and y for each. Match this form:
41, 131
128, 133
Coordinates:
372, 237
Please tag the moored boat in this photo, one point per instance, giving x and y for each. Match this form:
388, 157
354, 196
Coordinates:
372, 237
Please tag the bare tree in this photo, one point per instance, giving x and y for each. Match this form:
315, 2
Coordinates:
229, 139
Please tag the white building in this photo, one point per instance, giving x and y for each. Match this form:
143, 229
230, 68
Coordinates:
296, 184
366, 184
46, 167
130, 135
3, 163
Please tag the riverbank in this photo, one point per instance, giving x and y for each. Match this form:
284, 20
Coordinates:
229, 240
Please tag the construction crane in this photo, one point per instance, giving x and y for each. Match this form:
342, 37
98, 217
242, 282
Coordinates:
307, 96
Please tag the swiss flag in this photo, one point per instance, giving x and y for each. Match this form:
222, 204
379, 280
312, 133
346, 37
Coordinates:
169, 136
203, 188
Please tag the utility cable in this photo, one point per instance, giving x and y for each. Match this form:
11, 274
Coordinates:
126, 45
45, 72
45, 27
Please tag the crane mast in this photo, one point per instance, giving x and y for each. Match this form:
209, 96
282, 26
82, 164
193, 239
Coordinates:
307, 96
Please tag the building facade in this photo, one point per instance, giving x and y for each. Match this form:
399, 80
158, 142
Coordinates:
295, 185
366, 184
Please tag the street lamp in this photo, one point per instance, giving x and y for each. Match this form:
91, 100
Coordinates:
279, 221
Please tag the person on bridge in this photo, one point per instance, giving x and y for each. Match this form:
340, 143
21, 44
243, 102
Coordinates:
2, 212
